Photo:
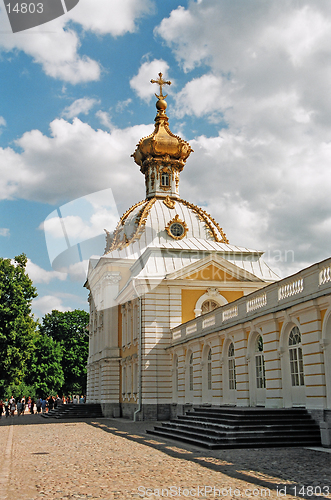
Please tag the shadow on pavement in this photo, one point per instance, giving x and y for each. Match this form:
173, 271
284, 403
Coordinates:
287, 471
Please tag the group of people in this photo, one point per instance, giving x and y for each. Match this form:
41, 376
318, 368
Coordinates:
10, 406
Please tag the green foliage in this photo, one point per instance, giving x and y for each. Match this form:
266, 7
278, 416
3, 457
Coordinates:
43, 362
69, 330
45, 372
17, 325
18, 391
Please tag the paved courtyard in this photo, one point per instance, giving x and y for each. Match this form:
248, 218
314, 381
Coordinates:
115, 459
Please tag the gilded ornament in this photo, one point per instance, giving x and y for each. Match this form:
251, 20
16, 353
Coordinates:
169, 202
176, 228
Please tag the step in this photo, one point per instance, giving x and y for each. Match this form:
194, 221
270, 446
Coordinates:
314, 428
242, 427
217, 446
88, 410
236, 422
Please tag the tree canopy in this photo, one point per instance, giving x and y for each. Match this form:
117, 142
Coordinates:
17, 324
46, 358
69, 330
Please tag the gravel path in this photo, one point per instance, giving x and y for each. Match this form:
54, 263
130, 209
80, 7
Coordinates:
115, 459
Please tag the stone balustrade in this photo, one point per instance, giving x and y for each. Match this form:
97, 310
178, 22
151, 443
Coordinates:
305, 285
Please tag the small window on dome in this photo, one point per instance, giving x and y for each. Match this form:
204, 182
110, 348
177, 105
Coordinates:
177, 230
165, 180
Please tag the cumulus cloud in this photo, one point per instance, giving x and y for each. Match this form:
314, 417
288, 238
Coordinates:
56, 50
56, 47
73, 161
80, 106
4, 231
40, 275
104, 118
140, 83
264, 76
110, 16
48, 303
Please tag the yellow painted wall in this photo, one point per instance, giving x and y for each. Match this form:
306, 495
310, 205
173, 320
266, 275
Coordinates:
190, 298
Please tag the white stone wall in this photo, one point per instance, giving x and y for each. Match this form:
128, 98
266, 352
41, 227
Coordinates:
303, 302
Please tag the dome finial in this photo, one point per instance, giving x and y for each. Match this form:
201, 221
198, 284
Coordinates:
161, 82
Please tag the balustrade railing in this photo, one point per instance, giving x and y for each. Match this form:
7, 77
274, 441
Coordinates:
325, 275
307, 282
291, 288
256, 302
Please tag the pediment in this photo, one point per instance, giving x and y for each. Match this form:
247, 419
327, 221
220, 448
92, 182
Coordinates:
213, 268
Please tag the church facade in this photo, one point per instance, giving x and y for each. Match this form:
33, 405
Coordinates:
179, 316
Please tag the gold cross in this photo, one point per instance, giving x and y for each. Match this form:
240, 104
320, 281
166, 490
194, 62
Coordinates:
161, 82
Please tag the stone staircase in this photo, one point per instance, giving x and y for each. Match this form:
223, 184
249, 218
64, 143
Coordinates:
87, 410
232, 427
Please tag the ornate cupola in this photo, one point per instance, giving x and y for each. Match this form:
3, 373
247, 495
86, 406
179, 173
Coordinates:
162, 155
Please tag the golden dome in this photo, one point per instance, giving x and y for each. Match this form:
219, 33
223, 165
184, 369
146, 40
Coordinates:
162, 146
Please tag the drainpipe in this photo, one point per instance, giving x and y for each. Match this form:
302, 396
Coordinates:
139, 375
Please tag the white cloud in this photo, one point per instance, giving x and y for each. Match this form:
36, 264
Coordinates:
123, 105
202, 96
55, 46
56, 50
80, 106
4, 231
111, 16
148, 71
48, 303
40, 275
105, 119
264, 71
59, 168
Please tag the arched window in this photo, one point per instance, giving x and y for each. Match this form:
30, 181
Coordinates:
296, 359
232, 367
208, 305
165, 180
191, 372
209, 374
259, 363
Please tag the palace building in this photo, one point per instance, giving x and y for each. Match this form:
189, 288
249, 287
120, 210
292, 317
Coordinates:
180, 316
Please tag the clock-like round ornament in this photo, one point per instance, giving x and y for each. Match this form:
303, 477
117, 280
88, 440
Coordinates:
176, 228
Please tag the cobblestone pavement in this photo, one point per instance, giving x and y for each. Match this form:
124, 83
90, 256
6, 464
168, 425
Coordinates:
115, 459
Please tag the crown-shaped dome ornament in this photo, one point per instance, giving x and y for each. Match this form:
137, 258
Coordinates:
162, 155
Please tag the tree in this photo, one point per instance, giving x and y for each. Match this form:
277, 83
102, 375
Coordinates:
17, 325
46, 373
69, 329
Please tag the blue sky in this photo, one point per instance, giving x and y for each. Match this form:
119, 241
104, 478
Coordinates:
250, 92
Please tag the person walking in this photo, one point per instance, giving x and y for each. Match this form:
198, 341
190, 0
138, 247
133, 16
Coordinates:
19, 407
1, 408
43, 405
23, 405
38, 405
7, 407
50, 403
12, 406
